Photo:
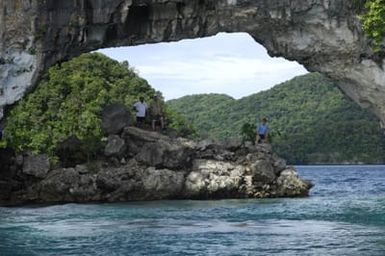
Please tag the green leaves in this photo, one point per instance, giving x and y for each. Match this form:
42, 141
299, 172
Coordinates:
374, 21
68, 101
248, 132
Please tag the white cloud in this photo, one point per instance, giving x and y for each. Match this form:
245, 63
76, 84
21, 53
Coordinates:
229, 63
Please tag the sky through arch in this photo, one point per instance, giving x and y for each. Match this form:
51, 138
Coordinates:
229, 63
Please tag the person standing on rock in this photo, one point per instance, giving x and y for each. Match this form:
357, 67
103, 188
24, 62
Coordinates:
157, 115
141, 110
262, 131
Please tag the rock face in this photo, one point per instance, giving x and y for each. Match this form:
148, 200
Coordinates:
114, 118
323, 35
154, 166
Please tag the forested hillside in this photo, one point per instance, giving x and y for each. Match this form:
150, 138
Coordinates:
316, 122
69, 101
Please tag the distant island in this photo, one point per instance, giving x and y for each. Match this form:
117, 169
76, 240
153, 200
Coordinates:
312, 121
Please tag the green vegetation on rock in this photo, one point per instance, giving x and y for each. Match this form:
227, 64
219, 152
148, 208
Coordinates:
68, 101
316, 123
373, 20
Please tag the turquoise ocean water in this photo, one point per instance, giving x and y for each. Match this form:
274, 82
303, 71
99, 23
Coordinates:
345, 215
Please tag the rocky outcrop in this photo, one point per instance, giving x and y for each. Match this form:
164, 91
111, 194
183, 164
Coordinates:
153, 166
323, 35
37, 166
114, 118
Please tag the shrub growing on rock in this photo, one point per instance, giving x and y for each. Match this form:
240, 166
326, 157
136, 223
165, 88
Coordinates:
68, 102
374, 22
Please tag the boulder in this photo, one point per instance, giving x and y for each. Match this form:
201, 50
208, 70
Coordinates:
56, 187
289, 184
110, 179
262, 171
163, 183
164, 154
114, 118
214, 179
71, 152
142, 136
6, 188
36, 165
279, 164
136, 138
67, 185
231, 144
204, 144
6, 162
115, 146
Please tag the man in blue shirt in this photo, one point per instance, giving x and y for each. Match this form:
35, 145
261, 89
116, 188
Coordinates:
262, 131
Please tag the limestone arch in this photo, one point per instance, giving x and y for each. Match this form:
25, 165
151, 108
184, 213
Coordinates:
322, 35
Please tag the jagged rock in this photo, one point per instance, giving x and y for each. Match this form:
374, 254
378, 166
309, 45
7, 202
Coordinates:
262, 171
162, 168
214, 179
142, 136
115, 146
6, 161
82, 169
113, 178
262, 147
164, 154
279, 164
6, 188
187, 143
71, 152
289, 184
231, 144
136, 138
19, 160
204, 144
114, 118
56, 187
163, 183
65, 185
37, 166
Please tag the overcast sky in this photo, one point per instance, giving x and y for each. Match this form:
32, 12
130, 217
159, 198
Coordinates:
233, 64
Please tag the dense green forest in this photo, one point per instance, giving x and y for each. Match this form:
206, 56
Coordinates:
316, 122
69, 100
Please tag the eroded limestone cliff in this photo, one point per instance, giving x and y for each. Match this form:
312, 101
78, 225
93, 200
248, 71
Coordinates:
323, 35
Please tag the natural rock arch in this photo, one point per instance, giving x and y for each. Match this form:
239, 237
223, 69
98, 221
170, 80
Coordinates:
322, 35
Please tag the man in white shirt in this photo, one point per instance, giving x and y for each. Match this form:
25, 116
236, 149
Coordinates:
141, 108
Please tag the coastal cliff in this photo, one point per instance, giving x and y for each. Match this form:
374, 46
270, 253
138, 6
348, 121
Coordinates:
145, 165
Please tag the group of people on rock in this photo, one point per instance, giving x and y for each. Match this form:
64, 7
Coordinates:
155, 115
153, 112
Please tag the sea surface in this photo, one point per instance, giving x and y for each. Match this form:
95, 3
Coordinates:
345, 215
